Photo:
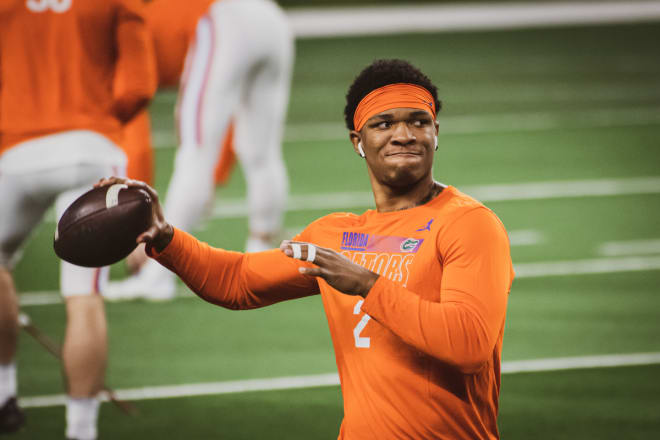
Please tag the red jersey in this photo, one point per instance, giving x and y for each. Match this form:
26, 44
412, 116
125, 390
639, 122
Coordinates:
67, 65
420, 356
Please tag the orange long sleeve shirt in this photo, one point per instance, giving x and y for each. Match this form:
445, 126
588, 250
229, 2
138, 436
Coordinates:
420, 356
67, 65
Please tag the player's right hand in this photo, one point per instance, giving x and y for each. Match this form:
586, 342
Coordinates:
159, 234
337, 270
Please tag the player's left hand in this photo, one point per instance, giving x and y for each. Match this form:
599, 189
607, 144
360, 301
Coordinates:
337, 270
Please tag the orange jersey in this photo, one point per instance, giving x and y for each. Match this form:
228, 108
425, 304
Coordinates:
68, 65
420, 356
136, 143
172, 24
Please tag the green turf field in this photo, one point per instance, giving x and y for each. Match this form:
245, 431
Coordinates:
553, 105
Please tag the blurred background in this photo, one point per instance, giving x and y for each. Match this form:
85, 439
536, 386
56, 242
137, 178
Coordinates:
551, 117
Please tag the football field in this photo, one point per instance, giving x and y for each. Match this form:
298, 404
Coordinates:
557, 130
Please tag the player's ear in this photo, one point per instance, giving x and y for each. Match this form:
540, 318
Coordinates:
357, 143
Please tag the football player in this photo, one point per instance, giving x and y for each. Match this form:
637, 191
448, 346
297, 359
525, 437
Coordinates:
72, 73
415, 291
238, 61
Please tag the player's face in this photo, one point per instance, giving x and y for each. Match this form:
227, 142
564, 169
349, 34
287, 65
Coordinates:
399, 145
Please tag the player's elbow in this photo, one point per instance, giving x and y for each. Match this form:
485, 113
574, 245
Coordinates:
130, 98
470, 363
228, 300
224, 302
474, 346
126, 108
467, 359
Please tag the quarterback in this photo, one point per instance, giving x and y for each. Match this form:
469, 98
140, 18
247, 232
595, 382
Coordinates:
415, 291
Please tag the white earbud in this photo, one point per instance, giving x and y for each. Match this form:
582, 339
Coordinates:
361, 150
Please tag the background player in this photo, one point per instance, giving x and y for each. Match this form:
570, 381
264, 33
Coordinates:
237, 68
172, 25
72, 73
415, 292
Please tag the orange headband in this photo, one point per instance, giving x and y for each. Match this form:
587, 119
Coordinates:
399, 95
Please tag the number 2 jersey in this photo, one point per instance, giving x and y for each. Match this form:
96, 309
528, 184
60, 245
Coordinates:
419, 358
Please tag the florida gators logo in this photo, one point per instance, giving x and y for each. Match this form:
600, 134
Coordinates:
409, 244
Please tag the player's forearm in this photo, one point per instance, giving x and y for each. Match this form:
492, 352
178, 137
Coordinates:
459, 333
135, 79
191, 260
231, 279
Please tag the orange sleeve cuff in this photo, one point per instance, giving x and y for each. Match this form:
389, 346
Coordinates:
171, 248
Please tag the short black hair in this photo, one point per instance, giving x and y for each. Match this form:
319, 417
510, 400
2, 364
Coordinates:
381, 73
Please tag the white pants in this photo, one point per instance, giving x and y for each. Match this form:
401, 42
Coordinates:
51, 169
239, 68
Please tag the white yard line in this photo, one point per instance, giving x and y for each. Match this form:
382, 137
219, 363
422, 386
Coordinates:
333, 22
571, 363
485, 123
525, 237
630, 247
523, 270
501, 123
39, 298
564, 189
236, 208
332, 379
586, 267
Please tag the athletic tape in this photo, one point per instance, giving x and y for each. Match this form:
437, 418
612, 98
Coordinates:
297, 252
311, 253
